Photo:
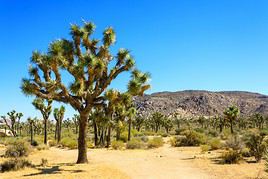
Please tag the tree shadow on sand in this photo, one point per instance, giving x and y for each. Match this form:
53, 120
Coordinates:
53, 170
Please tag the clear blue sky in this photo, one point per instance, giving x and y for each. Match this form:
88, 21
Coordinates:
185, 44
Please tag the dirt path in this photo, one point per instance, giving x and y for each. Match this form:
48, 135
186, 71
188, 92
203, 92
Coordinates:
164, 162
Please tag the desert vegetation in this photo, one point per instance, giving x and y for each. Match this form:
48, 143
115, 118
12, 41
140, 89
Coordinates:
108, 118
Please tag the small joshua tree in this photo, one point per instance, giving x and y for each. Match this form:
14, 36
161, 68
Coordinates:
58, 115
231, 114
12, 121
45, 109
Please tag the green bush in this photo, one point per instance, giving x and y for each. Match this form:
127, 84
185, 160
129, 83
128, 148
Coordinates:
165, 135
205, 148
225, 134
42, 147
124, 136
34, 143
192, 138
135, 144
14, 164
90, 144
179, 131
215, 144
118, 145
18, 149
149, 133
256, 144
144, 138
52, 142
231, 157
69, 143
235, 143
245, 152
212, 132
155, 142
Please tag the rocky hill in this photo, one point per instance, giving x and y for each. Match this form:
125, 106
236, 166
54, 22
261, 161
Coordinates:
206, 103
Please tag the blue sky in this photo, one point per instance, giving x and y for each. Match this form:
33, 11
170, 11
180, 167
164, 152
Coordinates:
185, 44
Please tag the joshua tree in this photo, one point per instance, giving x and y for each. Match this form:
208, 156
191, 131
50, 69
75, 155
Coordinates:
167, 124
112, 97
89, 64
75, 120
131, 114
45, 110
58, 115
258, 120
231, 113
31, 122
12, 120
157, 120
139, 122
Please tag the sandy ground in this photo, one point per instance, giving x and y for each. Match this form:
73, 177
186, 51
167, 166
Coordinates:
164, 162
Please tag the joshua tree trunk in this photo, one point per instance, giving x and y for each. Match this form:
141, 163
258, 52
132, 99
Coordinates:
82, 143
117, 133
56, 131
31, 129
95, 133
59, 131
231, 125
108, 140
129, 130
45, 131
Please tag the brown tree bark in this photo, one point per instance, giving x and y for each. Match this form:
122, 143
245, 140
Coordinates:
82, 143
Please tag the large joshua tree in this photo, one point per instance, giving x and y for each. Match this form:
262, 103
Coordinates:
231, 114
58, 116
45, 107
90, 65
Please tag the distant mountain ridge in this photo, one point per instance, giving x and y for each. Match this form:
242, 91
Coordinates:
190, 103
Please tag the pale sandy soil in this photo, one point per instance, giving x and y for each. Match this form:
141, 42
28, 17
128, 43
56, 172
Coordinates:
165, 162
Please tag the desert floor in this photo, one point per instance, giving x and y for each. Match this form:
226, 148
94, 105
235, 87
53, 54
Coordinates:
165, 162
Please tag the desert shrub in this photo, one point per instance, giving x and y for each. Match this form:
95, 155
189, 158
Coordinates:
200, 130
165, 135
205, 148
155, 142
149, 133
18, 149
69, 143
256, 144
225, 134
14, 164
215, 144
42, 147
135, 133
173, 141
144, 138
235, 143
90, 144
44, 162
135, 144
124, 136
34, 143
212, 132
179, 131
192, 138
245, 152
231, 157
118, 145
52, 142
